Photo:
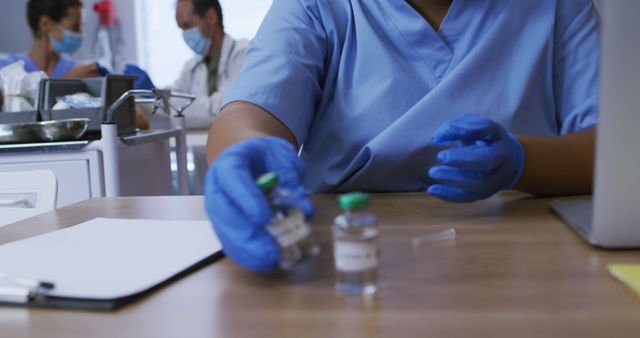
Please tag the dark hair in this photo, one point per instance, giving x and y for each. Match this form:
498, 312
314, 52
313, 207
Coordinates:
55, 9
200, 7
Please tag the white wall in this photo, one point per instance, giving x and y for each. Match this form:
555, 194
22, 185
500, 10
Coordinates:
125, 14
15, 36
243, 17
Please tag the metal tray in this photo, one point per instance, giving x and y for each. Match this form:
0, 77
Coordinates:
46, 131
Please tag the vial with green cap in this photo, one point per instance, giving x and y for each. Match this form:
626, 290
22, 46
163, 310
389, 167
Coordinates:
355, 245
288, 225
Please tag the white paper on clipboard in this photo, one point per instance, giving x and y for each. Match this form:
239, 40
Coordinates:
105, 259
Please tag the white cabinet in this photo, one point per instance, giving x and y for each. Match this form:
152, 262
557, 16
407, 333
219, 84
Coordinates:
144, 166
78, 172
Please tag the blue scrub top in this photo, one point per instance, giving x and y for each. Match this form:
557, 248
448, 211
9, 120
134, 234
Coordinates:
364, 84
63, 66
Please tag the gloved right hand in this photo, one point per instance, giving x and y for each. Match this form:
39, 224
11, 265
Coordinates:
143, 81
486, 158
239, 210
102, 70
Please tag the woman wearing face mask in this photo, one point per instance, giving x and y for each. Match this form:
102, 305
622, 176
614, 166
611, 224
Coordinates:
56, 27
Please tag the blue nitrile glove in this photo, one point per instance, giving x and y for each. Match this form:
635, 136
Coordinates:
485, 159
102, 70
143, 81
239, 210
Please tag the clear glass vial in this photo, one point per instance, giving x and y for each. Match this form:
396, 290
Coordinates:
288, 225
356, 249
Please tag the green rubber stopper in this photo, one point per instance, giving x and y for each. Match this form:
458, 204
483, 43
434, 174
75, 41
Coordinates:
267, 181
354, 201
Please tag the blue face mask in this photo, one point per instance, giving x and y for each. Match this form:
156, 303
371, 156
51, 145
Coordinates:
70, 42
198, 43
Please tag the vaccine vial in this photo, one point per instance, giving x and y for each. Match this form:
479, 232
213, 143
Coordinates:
288, 225
355, 246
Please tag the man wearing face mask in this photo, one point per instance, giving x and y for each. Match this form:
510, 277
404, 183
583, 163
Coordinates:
218, 60
56, 27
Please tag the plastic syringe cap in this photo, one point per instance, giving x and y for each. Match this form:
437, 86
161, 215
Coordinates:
268, 181
354, 201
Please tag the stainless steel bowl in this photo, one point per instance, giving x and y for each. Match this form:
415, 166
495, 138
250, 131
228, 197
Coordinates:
18, 132
63, 130
46, 131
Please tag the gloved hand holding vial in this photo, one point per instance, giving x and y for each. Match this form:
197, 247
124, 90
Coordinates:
239, 209
288, 225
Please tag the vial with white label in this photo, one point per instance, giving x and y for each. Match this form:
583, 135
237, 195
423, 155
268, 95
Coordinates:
288, 225
355, 246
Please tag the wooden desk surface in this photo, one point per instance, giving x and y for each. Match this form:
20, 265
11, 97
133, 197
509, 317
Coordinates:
515, 270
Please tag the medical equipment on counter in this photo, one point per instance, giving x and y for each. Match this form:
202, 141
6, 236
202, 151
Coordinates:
106, 89
109, 129
44, 131
81, 166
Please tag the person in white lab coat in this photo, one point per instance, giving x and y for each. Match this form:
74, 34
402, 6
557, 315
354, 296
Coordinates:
218, 60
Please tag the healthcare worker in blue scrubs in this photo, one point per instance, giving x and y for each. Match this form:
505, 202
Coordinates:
460, 99
56, 28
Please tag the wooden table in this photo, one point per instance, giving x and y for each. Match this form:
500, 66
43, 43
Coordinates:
515, 270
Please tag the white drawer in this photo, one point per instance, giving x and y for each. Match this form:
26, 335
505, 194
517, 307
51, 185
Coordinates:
72, 175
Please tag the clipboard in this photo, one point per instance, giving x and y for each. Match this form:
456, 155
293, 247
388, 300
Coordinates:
104, 263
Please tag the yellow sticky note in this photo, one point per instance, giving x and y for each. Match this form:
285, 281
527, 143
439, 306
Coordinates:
628, 274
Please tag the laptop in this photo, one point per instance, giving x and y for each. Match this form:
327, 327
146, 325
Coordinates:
612, 218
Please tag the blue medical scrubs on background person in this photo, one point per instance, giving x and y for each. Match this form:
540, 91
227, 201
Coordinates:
384, 99
62, 67
56, 28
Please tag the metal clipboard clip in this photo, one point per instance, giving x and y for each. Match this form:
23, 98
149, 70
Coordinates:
22, 290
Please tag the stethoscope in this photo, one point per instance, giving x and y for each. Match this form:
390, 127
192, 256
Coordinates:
225, 70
